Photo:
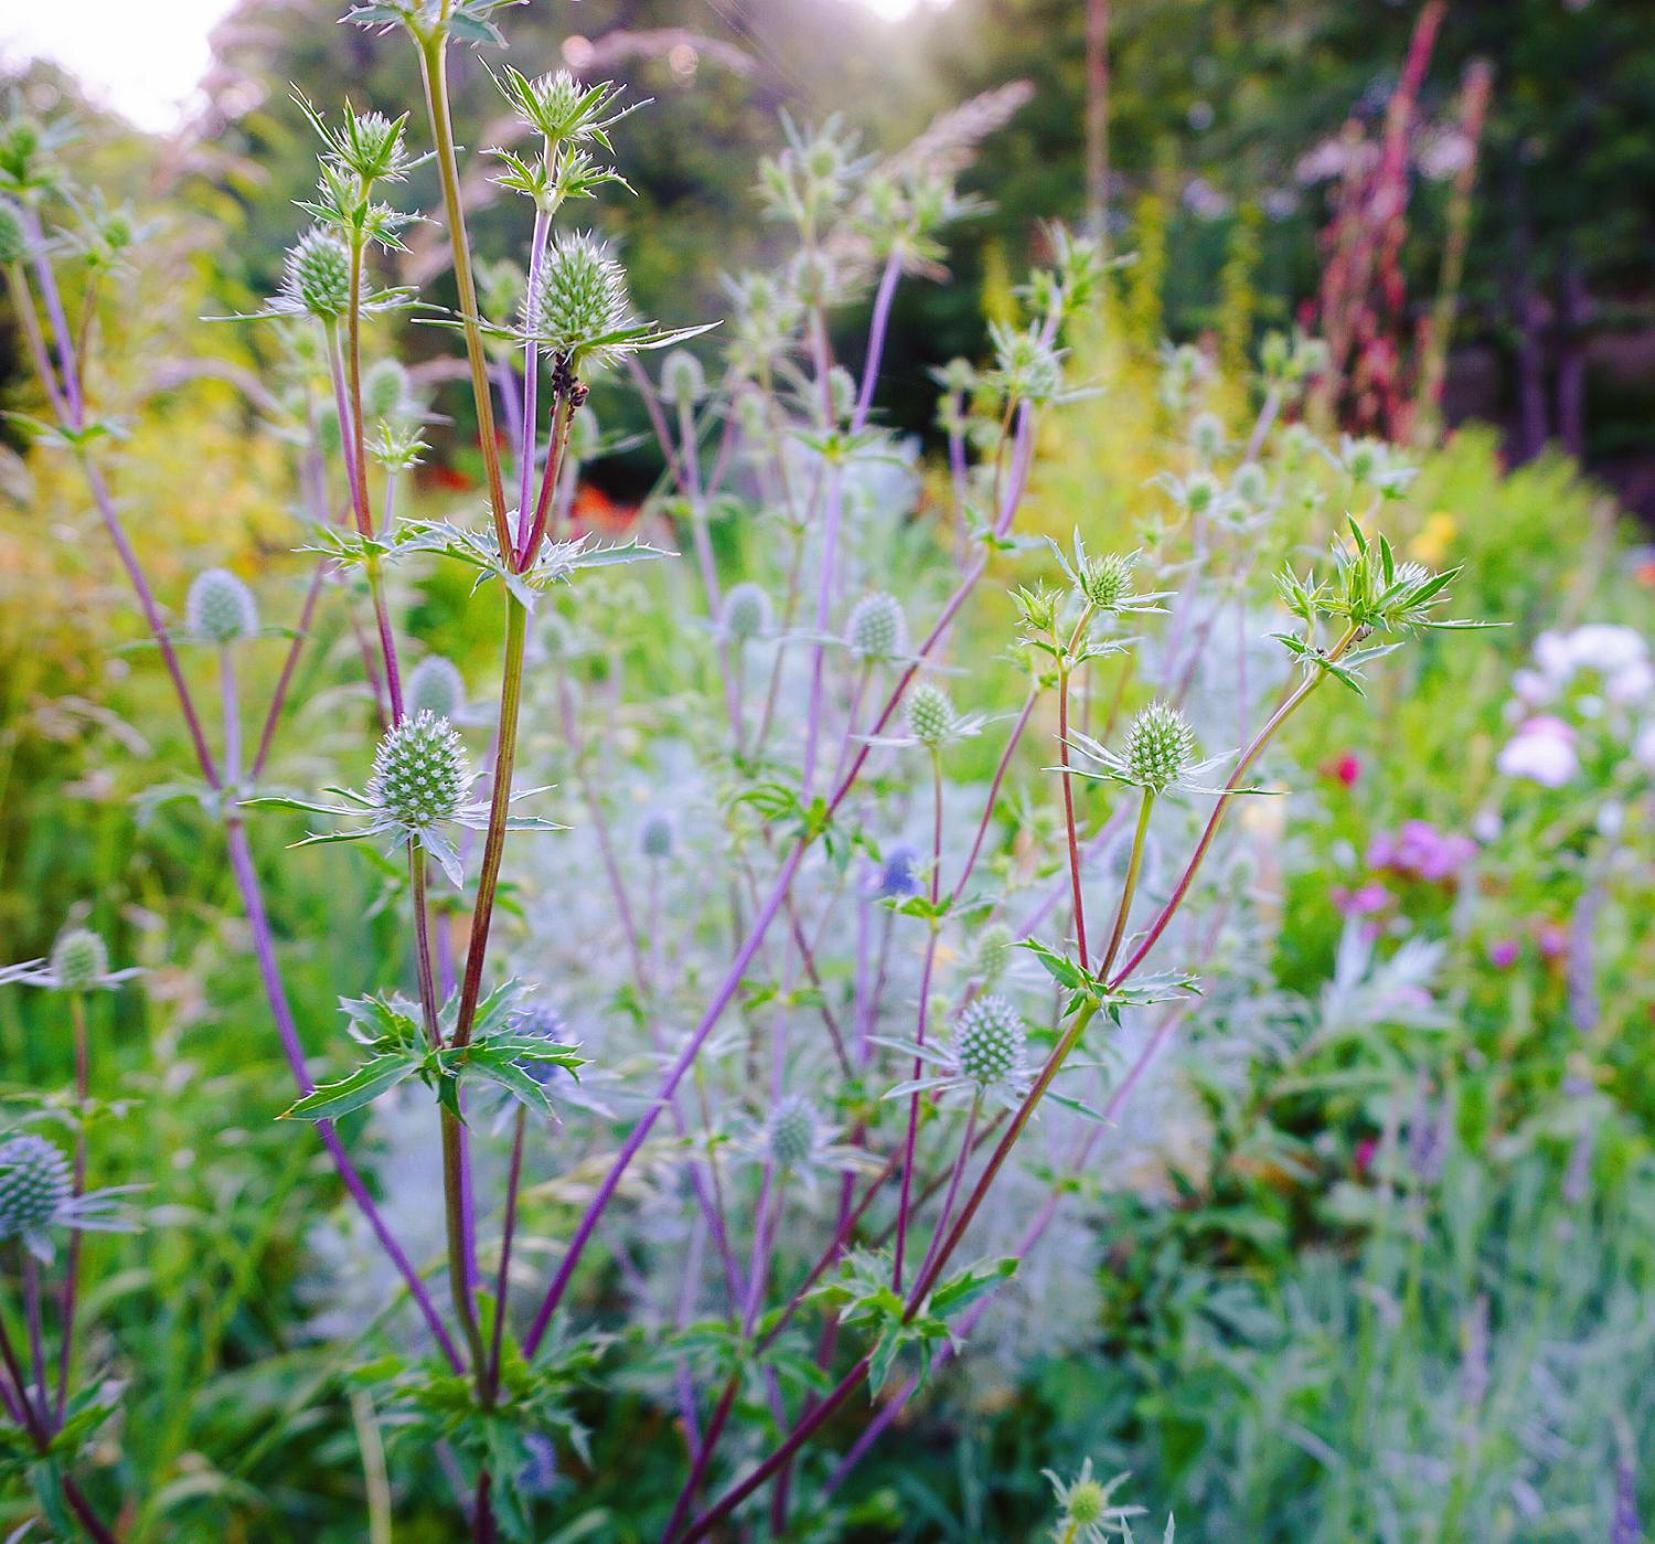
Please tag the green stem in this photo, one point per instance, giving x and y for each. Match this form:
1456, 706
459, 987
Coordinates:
1133, 866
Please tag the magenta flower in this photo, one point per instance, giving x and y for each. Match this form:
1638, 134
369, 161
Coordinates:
1418, 850
1502, 953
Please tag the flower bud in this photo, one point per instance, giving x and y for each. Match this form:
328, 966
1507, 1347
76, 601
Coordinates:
989, 1040
80, 959
1159, 745
436, 687
877, 628
318, 275
1107, 580
931, 715
34, 1185
421, 771
746, 612
220, 608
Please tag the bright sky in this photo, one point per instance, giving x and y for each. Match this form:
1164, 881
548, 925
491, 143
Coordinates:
144, 57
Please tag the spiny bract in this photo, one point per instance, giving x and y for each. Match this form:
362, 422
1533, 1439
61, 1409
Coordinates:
790, 1133
746, 611
1159, 746
931, 716
989, 1040
220, 608
80, 959
436, 687
579, 295
421, 771
877, 629
34, 1185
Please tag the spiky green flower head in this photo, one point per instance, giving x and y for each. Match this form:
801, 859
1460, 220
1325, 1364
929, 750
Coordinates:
421, 771
385, 392
1088, 1502
1200, 492
35, 1188
877, 629
1251, 485
683, 380
790, 1134
814, 278
1107, 579
12, 243
22, 156
990, 1042
434, 686
316, 276
656, 835
930, 714
1160, 745
562, 109
746, 611
579, 298
994, 953
1207, 437
80, 959
220, 608
1026, 366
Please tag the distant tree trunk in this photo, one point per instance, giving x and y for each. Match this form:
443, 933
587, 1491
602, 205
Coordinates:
1573, 314
1528, 319
1097, 116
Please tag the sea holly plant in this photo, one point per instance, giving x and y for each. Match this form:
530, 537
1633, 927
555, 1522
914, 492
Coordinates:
809, 802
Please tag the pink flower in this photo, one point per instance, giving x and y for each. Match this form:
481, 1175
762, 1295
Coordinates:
1344, 769
1543, 751
1502, 953
1418, 850
1553, 939
1363, 901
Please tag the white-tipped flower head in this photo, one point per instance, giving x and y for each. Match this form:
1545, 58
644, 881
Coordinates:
35, 1187
989, 1042
683, 380
994, 948
931, 715
318, 275
220, 608
12, 243
1159, 746
436, 687
384, 390
746, 611
578, 298
1087, 1505
877, 628
421, 771
655, 836
80, 959
791, 1131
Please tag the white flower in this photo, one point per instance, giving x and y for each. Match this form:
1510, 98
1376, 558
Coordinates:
1543, 751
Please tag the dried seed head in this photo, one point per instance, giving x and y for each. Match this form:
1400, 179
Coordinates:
746, 611
421, 771
80, 959
790, 1133
877, 628
220, 608
579, 295
655, 836
34, 1185
683, 380
1159, 745
989, 1040
11, 234
436, 687
931, 716
318, 274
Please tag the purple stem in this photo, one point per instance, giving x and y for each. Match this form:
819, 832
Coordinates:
527, 427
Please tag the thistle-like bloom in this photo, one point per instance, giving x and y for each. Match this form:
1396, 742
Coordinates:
316, 276
931, 719
560, 109
1159, 756
985, 1058
877, 629
1089, 1512
1026, 366
579, 297
37, 1196
1105, 582
747, 612
683, 379
79, 962
369, 146
434, 687
420, 783
220, 608
800, 1144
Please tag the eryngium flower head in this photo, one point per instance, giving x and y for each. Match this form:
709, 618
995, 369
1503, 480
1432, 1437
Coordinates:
79, 960
435, 687
317, 276
220, 608
790, 1134
683, 380
35, 1189
989, 1042
746, 612
655, 836
579, 297
930, 713
1159, 746
421, 771
877, 629
384, 390
994, 953
11, 234
1107, 580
